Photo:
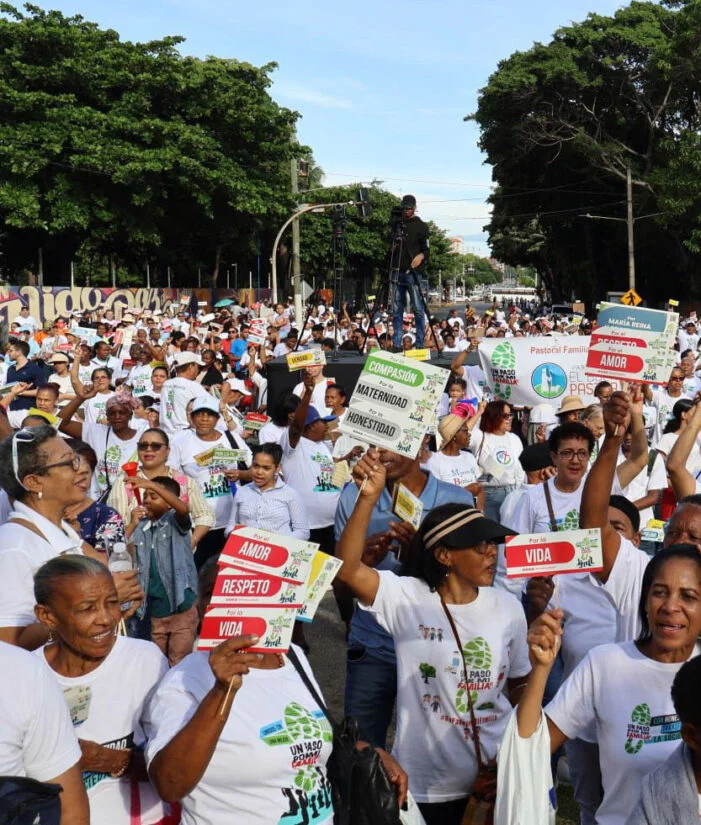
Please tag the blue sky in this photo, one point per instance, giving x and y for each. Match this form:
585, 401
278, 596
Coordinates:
382, 86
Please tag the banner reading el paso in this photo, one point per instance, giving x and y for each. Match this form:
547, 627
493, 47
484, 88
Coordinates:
538, 370
394, 402
633, 344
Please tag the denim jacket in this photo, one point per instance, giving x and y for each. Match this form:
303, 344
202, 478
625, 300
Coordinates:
170, 542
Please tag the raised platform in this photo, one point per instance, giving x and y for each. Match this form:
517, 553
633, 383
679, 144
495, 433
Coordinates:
341, 367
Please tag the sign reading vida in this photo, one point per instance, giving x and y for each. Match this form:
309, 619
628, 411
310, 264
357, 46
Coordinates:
547, 554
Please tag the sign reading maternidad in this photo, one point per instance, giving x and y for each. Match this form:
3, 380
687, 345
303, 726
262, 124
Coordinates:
394, 402
538, 370
633, 344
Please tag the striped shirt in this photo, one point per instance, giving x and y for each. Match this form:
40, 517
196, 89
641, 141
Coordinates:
279, 510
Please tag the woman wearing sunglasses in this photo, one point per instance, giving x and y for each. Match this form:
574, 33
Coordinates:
39, 471
153, 450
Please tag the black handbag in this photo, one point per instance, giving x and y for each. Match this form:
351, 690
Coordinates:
25, 801
362, 793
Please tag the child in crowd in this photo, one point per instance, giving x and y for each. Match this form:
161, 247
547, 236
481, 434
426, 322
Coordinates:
163, 554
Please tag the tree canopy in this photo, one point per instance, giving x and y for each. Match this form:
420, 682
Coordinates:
561, 122
132, 151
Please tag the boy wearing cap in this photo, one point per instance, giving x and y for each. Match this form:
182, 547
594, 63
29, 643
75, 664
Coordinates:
178, 391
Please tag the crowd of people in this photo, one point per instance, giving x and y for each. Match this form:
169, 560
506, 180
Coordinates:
115, 504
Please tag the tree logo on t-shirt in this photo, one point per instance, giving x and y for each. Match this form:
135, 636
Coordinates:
427, 671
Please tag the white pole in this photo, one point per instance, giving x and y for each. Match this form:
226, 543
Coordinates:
250, 279
227, 278
168, 277
72, 276
148, 277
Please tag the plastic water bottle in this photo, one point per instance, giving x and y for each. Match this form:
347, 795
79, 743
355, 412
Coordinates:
119, 562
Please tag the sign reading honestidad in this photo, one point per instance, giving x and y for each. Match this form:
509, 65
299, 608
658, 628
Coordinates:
633, 344
538, 370
394, 402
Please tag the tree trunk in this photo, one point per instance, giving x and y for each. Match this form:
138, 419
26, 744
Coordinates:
217, 264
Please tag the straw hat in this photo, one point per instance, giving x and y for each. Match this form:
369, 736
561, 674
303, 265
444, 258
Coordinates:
570, 403
449, 427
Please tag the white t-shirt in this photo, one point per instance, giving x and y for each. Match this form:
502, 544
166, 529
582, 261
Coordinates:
476, 381
118, 690
111, 451
458, 469
95, 408
628, 697
22, 552
63, 382
175, 396
270, 433
188, 454
318, 396
664, 403
643, 483
36, 735
693, 463
624, 585
531, 513
498, 451
433, 742
139, 379
269, 765
308, 468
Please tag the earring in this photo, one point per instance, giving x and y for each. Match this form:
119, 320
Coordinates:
51, 637
40, 495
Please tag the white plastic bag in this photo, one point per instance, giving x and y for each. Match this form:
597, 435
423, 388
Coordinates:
412, 816
525, 795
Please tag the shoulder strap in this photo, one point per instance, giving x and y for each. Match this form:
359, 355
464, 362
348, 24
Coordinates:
549, 502
28, 525
292, 656
235, 446
468, 692
107, 475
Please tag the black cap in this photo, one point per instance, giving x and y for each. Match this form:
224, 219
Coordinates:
466, 528
408, 201
535, 457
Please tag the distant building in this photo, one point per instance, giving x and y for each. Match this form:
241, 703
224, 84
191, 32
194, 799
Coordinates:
497, 266
455, 245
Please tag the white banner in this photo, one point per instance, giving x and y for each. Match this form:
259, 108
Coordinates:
537, 370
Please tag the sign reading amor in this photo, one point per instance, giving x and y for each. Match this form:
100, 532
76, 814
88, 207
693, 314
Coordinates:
530, 371
633, 344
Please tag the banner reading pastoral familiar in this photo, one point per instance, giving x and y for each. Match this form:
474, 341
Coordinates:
548, 554
394, 402
538, 370
633, 344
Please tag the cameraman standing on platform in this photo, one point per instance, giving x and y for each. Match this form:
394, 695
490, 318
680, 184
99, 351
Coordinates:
413, 254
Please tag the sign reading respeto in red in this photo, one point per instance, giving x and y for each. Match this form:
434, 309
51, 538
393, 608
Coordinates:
633, 344
547, 554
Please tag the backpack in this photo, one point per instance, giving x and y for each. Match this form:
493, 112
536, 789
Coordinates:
25, 801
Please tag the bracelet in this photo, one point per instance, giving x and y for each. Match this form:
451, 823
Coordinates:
125, 766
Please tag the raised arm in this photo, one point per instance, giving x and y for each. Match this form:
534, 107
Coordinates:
634, 465
597, 489
456, 364
364, 581
297, 425
74, 428
683, 483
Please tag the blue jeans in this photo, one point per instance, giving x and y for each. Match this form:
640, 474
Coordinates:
494, 498
408, 282
371, 688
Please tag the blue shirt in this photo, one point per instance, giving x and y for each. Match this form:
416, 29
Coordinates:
33, 374
365, 630
238, 347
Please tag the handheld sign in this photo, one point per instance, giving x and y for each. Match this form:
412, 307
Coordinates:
273, 625
394, 402
407, 506
548, 554
260, 551
324, 570
418, 354
307, 358
255, 421
633, 344
243, 588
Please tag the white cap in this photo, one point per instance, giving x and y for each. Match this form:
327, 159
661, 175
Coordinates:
543, 414
237, 385
205, 402
182, 358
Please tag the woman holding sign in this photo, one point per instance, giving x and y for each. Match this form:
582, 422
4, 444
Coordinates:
624, 689
460, 643
497, 450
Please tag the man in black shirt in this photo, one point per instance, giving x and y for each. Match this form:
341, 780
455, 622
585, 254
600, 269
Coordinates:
413, 256
24, 370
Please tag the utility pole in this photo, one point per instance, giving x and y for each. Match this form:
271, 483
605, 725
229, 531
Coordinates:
629, 220
296, 268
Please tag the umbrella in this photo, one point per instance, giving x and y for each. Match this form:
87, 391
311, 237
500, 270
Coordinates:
225, 302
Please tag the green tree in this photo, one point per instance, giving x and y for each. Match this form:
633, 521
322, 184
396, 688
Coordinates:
132, 151
427, 671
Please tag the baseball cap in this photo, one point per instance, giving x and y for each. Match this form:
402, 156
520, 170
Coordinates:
182, 358
313, 415
205, 402
408, 201
237, 385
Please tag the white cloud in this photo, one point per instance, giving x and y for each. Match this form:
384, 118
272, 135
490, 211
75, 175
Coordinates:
313, 97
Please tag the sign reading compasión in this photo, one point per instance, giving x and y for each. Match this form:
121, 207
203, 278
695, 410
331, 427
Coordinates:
394, 402
530, 371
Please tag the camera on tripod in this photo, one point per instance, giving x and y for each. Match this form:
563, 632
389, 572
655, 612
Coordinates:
396, 219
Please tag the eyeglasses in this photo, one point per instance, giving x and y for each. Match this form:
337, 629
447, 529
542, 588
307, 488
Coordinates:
507, 415
483, 547
150, 445
24, 437
69, 462
677, 378
580, 455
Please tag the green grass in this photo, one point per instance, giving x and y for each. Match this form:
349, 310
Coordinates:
567, 809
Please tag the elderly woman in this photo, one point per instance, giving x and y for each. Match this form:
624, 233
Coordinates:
460, 643
268, 732
153, 450
40, 472
106, 680
114, 443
